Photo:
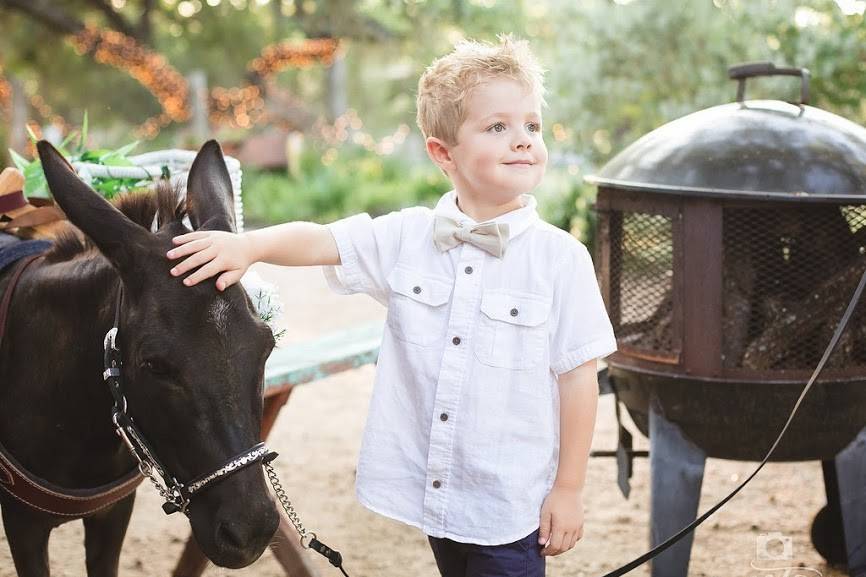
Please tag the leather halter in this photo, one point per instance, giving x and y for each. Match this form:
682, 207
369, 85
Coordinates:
37, 492
177, 495
45, 496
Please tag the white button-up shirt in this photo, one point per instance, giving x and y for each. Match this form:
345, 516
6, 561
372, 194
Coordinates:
462, 434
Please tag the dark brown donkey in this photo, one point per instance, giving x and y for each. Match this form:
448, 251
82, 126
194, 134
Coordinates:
192, 368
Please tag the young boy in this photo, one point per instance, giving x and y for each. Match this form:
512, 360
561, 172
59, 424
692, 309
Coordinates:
484, 404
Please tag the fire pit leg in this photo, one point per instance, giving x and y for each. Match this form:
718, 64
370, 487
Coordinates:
851, 472
677, 470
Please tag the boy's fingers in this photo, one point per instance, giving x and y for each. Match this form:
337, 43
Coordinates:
188, 248
182, 238
549, 546
192, 262
227, 279
205, 272
544, 528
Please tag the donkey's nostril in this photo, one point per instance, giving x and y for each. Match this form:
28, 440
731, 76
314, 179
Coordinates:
229, 535
234, 538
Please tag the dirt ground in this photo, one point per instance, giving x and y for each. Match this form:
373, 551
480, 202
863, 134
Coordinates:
318, 435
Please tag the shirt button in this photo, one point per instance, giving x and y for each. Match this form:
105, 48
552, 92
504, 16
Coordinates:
468, 270
456, 340
514, 312
436, 484
443, 417
416, 289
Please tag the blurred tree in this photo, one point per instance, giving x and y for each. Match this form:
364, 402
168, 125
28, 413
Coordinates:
621, 69
617, 69
222, 36
62, 17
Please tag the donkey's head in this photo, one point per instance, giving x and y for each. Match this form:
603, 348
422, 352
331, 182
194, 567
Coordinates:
193, 357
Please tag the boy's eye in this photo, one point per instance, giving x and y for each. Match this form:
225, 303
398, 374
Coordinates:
533, 127
498, 127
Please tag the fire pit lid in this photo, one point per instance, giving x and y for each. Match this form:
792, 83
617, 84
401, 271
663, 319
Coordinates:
764, 148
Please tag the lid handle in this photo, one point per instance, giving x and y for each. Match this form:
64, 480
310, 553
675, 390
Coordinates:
741, 72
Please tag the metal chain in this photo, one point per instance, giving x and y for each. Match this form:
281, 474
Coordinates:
147, 471
308, 540
287, 505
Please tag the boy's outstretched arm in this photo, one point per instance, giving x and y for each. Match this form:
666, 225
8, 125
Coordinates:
230, 255
562, 512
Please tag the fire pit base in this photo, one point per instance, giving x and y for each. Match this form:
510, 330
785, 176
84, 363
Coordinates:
740, 420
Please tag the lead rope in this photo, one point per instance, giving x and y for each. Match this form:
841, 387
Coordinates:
308, 539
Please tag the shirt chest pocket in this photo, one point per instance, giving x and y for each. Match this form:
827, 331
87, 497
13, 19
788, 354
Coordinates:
512, 330
417, 311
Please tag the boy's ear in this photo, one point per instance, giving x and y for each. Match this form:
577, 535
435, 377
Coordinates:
439, 153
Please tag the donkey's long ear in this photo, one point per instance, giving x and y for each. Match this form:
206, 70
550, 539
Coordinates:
209, 199
111, 231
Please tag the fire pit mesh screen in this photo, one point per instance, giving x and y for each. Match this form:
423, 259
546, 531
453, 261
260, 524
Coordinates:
788, 274
642, 280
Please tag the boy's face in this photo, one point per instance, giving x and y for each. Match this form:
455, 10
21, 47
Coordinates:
500, 153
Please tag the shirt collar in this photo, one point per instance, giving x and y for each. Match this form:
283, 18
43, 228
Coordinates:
518, 220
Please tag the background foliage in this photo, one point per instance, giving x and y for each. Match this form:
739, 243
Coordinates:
616, 70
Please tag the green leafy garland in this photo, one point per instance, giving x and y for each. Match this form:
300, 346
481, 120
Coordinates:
265, 296
34, 179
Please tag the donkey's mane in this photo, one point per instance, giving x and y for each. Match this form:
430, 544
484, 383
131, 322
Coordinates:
140, 207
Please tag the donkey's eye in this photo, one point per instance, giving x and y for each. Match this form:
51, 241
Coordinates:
156, 367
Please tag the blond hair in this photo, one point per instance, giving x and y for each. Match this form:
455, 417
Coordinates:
447, 83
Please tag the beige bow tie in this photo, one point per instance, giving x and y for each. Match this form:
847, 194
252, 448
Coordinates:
490, 237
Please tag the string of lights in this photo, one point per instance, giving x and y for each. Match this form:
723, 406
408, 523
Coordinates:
5, 93
46, 112
150, 69
291, 54
236, 107
36, 101
241, 107
348, 126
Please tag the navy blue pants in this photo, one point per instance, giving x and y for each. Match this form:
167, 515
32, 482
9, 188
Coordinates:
519, 559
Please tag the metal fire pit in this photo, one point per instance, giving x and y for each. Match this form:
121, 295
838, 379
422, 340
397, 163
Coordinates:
729, 243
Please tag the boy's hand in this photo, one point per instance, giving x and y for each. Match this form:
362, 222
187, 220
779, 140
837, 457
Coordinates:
561, 520
214, 252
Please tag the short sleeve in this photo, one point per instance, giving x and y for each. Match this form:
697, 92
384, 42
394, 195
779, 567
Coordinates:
580, 328
368, 249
